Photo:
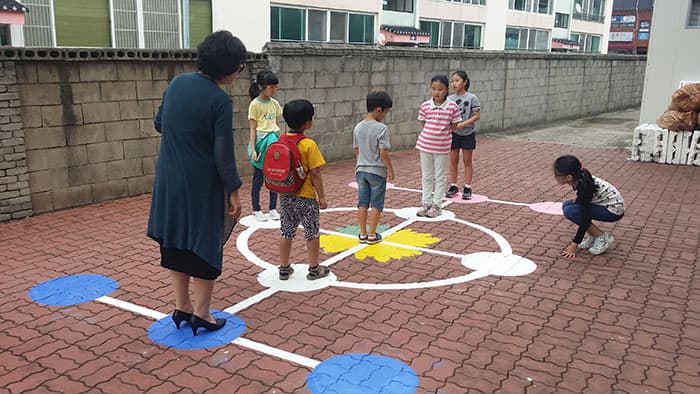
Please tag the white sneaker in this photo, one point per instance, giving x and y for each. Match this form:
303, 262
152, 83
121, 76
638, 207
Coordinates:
273, 215
259, 216
587, 242
423, 211
602, 243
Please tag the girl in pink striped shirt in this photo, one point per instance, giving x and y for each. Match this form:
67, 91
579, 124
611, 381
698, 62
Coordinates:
439, 116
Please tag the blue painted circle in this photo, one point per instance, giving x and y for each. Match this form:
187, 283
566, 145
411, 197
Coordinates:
362, 373
72, 289
164, 332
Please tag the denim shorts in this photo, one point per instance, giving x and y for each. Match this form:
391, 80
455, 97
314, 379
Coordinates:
466, 142
371, 189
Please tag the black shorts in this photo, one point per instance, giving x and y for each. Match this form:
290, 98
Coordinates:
466, 142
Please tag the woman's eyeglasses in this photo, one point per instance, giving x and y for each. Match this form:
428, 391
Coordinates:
241, 68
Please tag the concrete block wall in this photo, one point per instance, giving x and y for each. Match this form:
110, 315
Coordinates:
76, 126
515, 89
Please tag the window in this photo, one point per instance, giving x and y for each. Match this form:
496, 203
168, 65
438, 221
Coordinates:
398, 5
161, 23
694, 14
5, 35
587, 42
125, 21
472, 36
75, 18
434, 29
339, 26
452, 34
361, 29
200, 21
37, 25
561, 20
589, 10
478, 2
317, 25
536, 6
288, 23
300, 24
527, 39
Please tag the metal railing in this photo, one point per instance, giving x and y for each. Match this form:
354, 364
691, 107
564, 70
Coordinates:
589, 17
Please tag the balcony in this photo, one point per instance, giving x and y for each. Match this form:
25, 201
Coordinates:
589, 17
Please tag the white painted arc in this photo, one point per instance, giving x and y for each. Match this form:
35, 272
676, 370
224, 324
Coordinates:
411, 286
242, 245
502, 242
522, 204
250, 301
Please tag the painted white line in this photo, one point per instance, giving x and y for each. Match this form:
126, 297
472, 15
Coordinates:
279, 353
247, 343
522, 204
131, 307
502, 242
405, 246
251, 301
405, 189
242, 245
416, 285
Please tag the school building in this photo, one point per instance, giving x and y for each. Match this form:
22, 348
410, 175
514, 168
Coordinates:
533, 25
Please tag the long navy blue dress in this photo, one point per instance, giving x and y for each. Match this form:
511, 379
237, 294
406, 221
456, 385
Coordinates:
195, 172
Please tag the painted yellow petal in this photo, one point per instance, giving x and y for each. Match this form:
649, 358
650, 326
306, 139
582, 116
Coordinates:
336, 243
410, 237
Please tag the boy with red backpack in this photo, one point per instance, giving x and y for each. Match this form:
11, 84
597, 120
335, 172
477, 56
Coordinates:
303, 206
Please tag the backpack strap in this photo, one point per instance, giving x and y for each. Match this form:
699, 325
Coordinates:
294, 138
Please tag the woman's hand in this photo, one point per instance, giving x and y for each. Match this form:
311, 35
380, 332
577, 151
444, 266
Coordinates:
234, 205
570, 251
254, 155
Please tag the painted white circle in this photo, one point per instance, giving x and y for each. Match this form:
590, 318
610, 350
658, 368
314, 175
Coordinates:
251, 221
410, 213
296, 283
499, 264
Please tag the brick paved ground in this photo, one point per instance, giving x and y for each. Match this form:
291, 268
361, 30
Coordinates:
627, 321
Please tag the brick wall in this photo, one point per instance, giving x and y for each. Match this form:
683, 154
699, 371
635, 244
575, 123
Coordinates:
85, 130
14, 181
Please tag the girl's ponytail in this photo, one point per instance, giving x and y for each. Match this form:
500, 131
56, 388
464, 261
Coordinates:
262, 79
586, 180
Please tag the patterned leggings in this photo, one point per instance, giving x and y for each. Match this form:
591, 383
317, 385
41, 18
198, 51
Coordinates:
295, 210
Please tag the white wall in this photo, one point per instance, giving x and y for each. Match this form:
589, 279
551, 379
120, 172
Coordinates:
495, 30
672, 57
248, 20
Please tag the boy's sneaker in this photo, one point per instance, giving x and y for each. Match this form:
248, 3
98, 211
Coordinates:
374, 239
259, 216
423, 211
587, 242
467, 193
273, 215
318, 272
602, 243
434, 211
285, 272
362, 238
452, 191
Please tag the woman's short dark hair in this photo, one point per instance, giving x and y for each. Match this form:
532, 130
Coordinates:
220, 54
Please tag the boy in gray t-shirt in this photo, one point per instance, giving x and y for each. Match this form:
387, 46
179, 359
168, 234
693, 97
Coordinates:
370, 139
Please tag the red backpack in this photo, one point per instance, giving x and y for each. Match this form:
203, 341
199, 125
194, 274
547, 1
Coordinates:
282, 168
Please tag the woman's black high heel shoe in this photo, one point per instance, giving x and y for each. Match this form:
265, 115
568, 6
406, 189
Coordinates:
198, 322
180, 316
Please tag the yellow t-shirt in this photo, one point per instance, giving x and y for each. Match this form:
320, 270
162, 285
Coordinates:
311, 158
265, 113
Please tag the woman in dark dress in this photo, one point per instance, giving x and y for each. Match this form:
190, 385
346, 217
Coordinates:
195, 194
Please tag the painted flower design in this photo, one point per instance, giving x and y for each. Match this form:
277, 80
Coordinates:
382, 252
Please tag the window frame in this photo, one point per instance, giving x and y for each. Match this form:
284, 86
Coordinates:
329, 13
690, 23
565, 17
530, 39
412, 10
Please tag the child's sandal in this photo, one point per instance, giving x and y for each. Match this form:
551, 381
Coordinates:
318, 272
362, 238
285, 272
374, 239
